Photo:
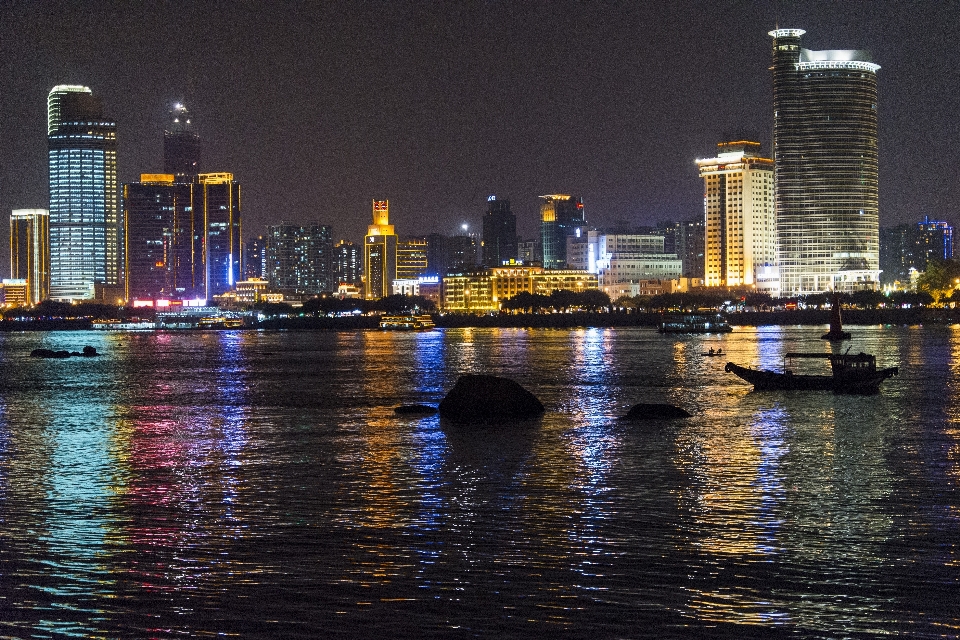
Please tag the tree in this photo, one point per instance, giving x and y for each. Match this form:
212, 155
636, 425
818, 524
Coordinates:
940, 278
594, 299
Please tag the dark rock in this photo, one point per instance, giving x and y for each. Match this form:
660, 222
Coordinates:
49, 353
90, 352
655, 412
488, 399
415, 409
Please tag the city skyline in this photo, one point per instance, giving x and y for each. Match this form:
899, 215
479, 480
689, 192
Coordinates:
437, 110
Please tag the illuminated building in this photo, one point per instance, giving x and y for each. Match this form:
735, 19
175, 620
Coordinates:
379, 253
561, 218
499, 244
181, 145
825, 155
348, 266
461, 253
528, 251
30, 252
255, 258
623, 259
300, 258
253, 290
910, 247
84, 208
217, 203
412, 258
484, 291
162, 240
739, 218
934, 240
14, 292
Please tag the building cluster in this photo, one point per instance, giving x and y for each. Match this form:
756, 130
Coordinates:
803, 221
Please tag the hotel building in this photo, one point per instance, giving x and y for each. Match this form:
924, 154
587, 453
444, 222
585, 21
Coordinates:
739, 218
825, 156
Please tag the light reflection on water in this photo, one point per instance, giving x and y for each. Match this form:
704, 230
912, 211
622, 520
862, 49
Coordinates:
241, 482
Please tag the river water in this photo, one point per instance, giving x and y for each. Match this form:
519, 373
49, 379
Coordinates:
253, 484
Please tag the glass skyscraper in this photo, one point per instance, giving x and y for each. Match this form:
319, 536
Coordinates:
825, 157
84, 211
561, 218
216, 201
499, 242
181, 145
30, 251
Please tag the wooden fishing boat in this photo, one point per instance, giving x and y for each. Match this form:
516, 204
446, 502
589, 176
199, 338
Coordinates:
850, 373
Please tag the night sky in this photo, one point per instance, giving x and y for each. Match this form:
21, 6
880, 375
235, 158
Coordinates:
318, 108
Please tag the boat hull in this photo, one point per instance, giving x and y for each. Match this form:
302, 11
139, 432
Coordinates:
863, 383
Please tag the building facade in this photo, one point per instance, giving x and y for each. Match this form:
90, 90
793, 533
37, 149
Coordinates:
162, 242
348, 263
739, 218
84, 195
379, 253
217, 203
499, 243
412, 260
30, 252
485, 291
300, 259
826, 163
255, 259
561, 218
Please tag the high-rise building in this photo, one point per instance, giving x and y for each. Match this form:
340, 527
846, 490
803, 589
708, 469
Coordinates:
348, 263
825, 155
181, 145
461, 253
412, 258
30, 252
934, 240
300, 258
216, 201
911, 247
561, 218
739, 219
84, 209
379, 253
163, 240
499, 243
255, 258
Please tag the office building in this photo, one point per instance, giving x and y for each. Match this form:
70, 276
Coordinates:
499, 243
826, 163
84, 208
412, 258
255, 259
216, 201
739, 218
30, 252
484, 291
934, 240
379, 253
907, 248
623, 259
181, 145
300, 258
561, 218
163, 243
348, 264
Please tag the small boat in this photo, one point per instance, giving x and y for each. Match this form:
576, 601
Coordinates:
836, 332
407, 322
219, 322
712, 353
851, 373
694, 323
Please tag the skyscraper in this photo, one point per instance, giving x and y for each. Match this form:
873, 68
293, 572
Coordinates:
348, 263
561, 218
216, 201
379, 253
412, 258
163, 240
30, 251
84, 211
254, 258
181, 145
499, 243
825, 155
741, 240
300, 258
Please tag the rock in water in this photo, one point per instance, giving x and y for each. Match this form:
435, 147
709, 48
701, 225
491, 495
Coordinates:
90, 352
655, 412
488, 399
415, 409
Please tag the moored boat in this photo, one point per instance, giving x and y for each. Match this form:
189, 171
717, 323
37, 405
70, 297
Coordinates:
694, 323
850, 373
407, 322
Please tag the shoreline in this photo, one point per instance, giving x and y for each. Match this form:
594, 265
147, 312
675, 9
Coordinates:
804, 317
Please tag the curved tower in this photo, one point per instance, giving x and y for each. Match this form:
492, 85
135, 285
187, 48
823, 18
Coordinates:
181, 145
825, 155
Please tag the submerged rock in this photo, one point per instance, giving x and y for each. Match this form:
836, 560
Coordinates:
655, 412
415, 409
49, 353
488, 399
